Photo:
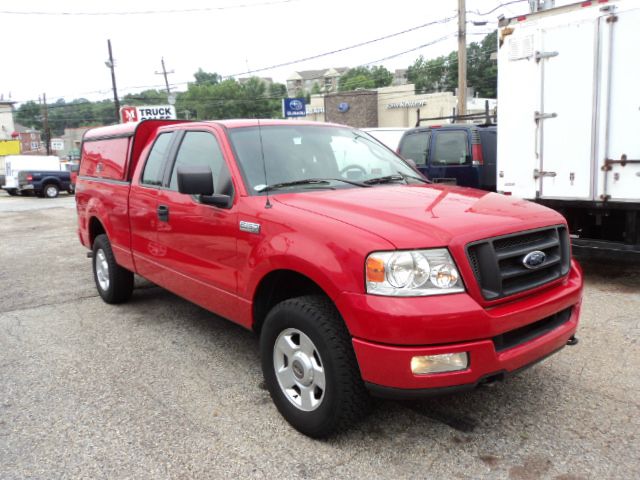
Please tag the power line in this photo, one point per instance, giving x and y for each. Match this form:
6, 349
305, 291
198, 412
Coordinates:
151, 12
339, 50
300, 60
437, 40
489, 12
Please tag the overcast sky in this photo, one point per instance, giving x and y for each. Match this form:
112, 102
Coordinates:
64, 55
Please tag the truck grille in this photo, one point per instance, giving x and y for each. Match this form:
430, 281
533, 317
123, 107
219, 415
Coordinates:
499, 263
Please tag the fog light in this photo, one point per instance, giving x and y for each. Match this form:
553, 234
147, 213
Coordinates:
446, 362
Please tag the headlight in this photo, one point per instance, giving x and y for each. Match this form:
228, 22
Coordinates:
412, 273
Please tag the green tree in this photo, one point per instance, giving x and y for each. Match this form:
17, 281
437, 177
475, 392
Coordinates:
365, 77
29, 114
206, 78
441, 73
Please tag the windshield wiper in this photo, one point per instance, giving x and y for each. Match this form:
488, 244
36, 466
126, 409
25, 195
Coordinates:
386, 179
395, 178
308, 181
413, 177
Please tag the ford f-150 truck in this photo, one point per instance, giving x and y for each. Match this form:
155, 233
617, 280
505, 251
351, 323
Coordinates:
358, 275
44, 183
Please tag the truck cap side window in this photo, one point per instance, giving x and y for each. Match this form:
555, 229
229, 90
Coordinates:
201, 148
415, 146
153, 170
451, 148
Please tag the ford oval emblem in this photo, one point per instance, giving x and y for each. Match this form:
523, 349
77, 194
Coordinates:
296, 105
343, 107
533, 260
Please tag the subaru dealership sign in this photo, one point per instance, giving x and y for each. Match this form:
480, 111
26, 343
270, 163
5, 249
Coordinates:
293, 107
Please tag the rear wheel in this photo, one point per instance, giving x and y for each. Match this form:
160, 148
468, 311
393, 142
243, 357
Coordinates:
50, 190
114, 283
310, 368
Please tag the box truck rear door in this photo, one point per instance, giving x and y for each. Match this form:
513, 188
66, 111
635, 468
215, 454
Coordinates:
621, 75
566, 112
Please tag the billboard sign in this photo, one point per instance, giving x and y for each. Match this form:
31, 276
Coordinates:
152, 112
293, 107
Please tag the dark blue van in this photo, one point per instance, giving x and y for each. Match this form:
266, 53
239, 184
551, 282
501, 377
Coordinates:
458, 153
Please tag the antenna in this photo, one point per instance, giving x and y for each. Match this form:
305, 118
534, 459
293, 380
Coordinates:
264, 164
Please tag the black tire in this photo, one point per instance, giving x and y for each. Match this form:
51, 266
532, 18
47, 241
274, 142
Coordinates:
120, 280
13, 192
50, 190
345, 399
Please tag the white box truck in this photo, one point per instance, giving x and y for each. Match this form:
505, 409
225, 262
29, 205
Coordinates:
569, 118
14, 164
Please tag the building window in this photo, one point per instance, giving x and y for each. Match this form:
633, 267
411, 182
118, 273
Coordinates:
34, 145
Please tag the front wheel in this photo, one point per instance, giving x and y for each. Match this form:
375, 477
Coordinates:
114, 283
310, 368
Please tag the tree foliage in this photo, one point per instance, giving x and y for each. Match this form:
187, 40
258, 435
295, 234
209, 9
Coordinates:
365, 77
207, 98
441, 73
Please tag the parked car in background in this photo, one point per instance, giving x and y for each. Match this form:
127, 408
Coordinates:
387, 136
358, 275
44, 183
14, 164
458, 154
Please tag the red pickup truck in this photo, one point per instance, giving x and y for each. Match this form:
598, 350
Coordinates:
358, 275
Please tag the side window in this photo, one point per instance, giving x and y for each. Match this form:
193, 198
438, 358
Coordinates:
415, 146
153, 171
451, 148
201, 148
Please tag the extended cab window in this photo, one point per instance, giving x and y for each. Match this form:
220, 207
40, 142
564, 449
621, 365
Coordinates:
201, 148
415, 146
451, 148
153, 170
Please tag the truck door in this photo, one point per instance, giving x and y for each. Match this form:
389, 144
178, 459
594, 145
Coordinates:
449, 159
620, 175
565, 122
144, 216
198, 240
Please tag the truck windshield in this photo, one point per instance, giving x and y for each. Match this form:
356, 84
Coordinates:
293, 154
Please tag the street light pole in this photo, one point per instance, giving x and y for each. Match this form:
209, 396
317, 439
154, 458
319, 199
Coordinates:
462, 58
110, 64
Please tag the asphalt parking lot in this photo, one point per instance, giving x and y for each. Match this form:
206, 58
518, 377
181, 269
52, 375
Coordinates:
159, 388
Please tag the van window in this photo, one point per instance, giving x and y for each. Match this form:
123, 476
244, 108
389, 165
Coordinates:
153, 170
201, 148
415, 146
451, 148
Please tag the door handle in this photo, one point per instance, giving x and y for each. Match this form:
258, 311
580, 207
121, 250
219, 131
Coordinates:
163, 213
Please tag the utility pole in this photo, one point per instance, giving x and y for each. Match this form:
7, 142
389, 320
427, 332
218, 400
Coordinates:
109, 63
45, 117
462, 58
166, 81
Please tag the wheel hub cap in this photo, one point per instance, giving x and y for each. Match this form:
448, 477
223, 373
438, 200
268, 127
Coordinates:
102, 270
299, 369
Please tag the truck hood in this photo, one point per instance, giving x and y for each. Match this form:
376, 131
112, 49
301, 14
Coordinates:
423, 216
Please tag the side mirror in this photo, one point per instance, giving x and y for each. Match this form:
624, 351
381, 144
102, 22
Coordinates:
195, 180
198, 180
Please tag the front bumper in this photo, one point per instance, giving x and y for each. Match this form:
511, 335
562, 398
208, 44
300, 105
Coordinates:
455, 323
